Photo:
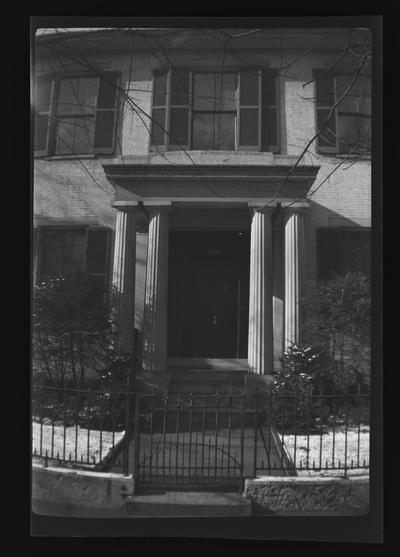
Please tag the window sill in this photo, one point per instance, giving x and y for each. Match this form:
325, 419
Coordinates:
353, 157
69, 157
345, 156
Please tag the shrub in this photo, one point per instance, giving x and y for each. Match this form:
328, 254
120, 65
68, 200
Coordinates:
74, 332
338, 319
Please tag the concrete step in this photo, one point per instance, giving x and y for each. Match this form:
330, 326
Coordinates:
202, 381
205, 388
188, 504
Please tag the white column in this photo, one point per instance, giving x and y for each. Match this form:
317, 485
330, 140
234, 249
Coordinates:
260, 348
294, 274
123, 279
156, 293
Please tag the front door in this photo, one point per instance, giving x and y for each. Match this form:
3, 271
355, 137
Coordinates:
208, 295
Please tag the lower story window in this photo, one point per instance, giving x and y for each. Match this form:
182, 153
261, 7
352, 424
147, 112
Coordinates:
343, 250
74, 249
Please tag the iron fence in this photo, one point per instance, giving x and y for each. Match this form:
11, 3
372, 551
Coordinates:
173, 439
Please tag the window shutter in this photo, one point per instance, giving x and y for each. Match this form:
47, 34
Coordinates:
42, 110
179, 132
159, 110
97, 253
106, 113
328, 252
325, 99
249, 136
270, 111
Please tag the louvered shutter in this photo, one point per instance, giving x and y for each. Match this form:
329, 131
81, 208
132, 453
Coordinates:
106, 113
270, 111
328, 252
325, 99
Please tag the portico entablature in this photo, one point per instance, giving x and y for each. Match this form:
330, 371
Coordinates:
211, 184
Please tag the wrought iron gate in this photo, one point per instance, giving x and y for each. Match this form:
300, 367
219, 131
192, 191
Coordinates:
187, 439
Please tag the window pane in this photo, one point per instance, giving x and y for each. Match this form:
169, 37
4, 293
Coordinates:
97, 251
179, 87
203, 131
356, 251
160, 88
65, 137
328, 252
204, 91
226, 84
269, 88
327, 138
248, 126
104, 134
325, 90
225, 131
179, 126
74, 135
41, 126
354, 131
74, 256
63, 250
77, 95
358, 99
158, 127
43, 95
249, 88
107, 92
269, 128
84, 134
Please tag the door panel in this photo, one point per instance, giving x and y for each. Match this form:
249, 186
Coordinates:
208, 304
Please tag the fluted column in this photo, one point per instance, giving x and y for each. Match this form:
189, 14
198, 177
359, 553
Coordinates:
294, 274
156, 293
260, 347
123, 279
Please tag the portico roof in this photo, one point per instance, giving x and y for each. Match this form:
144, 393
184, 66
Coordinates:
211, 183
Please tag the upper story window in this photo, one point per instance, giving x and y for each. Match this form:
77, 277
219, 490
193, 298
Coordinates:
75, 115
349, 129
232, 110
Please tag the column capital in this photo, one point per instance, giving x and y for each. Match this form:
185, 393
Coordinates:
255, 207
161, 207
126, 206
294, 209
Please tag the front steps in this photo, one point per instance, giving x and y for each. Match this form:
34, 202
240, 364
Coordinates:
188, 504
207, 376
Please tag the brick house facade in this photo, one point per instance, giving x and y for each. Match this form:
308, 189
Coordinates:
165, 165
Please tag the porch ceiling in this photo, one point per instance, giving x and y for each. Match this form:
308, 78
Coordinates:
209, 183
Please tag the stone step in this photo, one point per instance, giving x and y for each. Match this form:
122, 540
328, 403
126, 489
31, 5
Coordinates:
188, 504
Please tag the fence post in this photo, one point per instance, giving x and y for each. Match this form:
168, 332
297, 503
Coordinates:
127, 428
242, 444
136, 441
255, 435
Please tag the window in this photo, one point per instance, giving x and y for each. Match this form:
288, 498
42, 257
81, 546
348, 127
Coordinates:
70, 249
349, 129
215, 110
75, 115
341, 251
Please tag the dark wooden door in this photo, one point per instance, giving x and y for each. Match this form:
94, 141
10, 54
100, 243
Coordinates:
208, 304
213, 304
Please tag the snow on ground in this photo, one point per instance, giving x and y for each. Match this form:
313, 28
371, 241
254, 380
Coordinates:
358, 452
76, 442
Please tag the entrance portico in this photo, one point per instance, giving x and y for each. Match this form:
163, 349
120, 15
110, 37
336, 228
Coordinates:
184, 200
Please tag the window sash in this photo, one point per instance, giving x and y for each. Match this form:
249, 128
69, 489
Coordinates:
53, 114
335, 119
332, 248
168, 141
86, 230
